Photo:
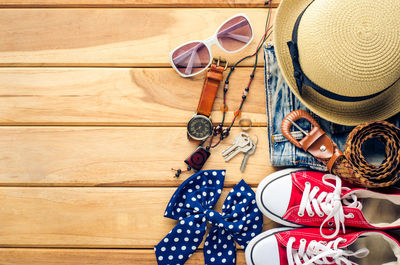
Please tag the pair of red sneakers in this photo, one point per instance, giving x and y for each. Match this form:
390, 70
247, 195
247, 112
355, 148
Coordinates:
341, 224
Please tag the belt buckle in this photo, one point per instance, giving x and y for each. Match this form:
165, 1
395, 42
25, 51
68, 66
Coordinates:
220, 62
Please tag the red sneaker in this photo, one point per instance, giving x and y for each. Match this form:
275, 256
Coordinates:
305, 246
295, 197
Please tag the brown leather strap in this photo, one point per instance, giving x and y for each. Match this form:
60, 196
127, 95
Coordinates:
210, 88
351, 166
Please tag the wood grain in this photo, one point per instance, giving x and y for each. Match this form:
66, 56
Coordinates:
19, 256
136, 3
116, 156
86, 217
117, 96
111, 37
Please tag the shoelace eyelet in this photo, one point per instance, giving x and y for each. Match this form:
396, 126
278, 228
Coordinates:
300, 214
351, 215
321, 215
330, 223
303, 240
311, 214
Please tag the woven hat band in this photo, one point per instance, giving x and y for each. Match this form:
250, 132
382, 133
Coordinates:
302, 79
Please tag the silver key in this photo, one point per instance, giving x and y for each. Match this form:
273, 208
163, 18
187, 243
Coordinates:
242, 144
247, 155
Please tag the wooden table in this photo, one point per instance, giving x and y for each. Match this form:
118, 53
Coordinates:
93, 118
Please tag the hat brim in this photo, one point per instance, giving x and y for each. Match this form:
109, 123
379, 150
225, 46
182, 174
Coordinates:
380, 107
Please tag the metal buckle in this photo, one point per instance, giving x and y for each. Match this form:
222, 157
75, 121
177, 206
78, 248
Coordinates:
220, 61
291, 119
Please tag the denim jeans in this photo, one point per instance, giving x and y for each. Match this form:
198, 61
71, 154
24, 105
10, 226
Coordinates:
280, 102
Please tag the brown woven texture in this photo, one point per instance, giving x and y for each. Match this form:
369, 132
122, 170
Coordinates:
354, 168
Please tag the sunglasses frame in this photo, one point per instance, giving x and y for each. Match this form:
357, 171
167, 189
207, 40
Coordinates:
209, 42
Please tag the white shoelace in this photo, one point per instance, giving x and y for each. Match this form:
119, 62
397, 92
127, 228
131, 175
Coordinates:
318, 253
329, 204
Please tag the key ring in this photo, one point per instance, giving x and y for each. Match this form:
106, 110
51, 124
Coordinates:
245, 123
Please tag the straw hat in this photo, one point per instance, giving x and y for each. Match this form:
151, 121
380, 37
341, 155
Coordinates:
346, 55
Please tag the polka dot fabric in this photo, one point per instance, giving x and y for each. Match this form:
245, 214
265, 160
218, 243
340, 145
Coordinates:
192, 205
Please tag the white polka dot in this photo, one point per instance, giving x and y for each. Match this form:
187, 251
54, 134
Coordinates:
214, 237
211, 193
170, 257
193, 248
179, 231
191, 182
190, 190
173, 248
196, 209
198, 177
219, 191
190, 223
187, 205
163, 249
186, 239
197, 187
178, 210
219, 241
194, 199
230, 226
255, 210
176, 239
183, 196
214, 173
188, 231
253, 234
180, 257
218, 182
245, 229
254, 226
238, 194
196, 216
223, 260
203, 183
206, 173
223, 173
215, 246
257, 218
165, 213
242, 188
197, 232
196, 239
212, 259
219, 254
225, 246
244, 201
165, 240
233, 207
183, 247
248, 221
204, 193
244, 234
253, 201
160, 258
229, 198
208, 252
187, 214
223, 232
198, 196
210, 181
206, 243
211, 214
229, 237
243, 209
240, 226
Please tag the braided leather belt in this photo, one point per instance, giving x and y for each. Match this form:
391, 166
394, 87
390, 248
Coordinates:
351, 165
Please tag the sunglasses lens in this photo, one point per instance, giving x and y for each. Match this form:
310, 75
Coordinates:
235, 34
191, 58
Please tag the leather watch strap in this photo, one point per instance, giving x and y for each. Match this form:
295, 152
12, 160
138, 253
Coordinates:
210, 88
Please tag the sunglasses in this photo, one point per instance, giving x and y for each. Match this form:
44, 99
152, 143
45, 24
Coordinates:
193, 57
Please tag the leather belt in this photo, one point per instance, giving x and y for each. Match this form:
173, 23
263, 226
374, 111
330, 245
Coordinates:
351, 165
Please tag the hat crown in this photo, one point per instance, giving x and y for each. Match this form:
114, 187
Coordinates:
351, 48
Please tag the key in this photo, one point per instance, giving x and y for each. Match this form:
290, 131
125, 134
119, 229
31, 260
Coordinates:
247, 155
242, 144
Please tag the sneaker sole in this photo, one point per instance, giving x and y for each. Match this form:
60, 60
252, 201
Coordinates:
260, 189
257, 239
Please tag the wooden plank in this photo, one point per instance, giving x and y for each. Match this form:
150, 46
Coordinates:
111, 37
117, 96
116, 156
86, 217
18, 256
136, 3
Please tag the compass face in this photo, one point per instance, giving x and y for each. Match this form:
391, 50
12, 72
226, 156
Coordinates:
199, 127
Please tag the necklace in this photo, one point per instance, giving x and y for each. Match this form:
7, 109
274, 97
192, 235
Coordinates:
198, 158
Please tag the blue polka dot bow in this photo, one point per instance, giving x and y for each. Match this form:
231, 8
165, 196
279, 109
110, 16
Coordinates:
192, 204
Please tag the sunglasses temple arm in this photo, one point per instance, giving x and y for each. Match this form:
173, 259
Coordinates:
190, 63
240, 24
185, 54
237, 37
